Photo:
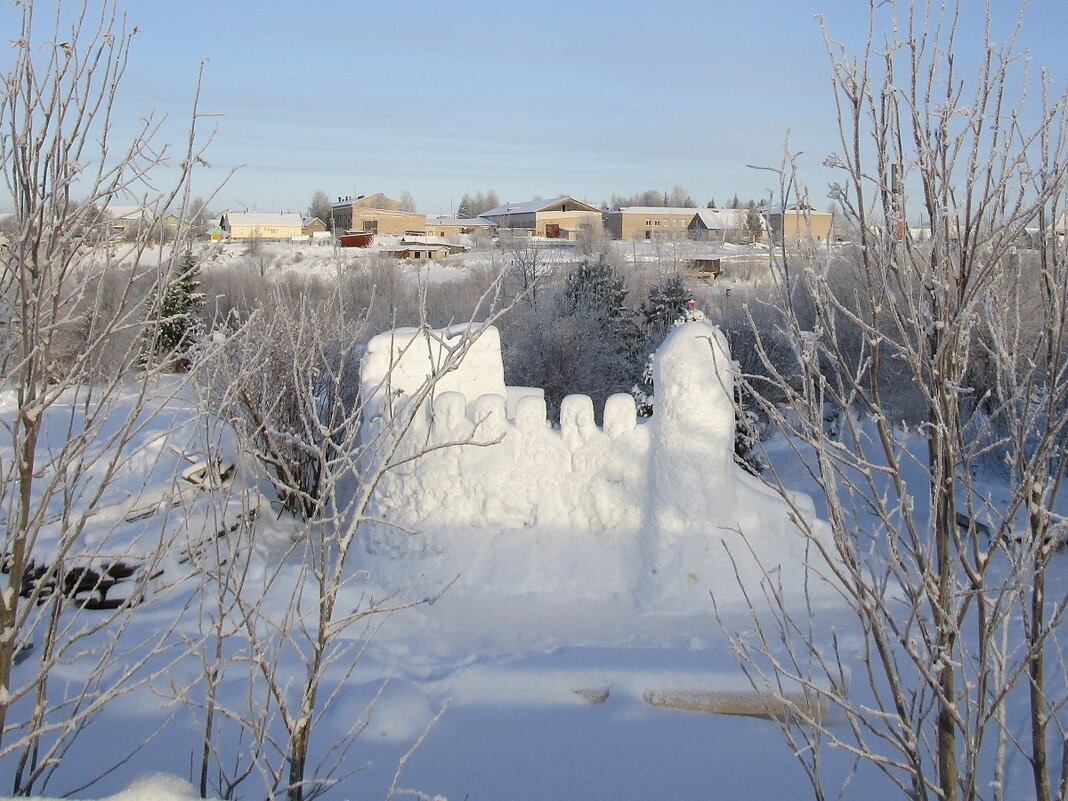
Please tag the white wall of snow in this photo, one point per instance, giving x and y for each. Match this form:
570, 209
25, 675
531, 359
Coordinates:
647, 507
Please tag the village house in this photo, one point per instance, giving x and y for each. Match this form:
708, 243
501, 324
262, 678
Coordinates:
433, 241
375, 214
797, 223
128, 220
408, 249
245, 225
715, 225
453, 226
560, 218
648, 222
310, 226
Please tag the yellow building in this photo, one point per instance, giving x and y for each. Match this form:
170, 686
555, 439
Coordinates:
376, 214
797, 223
238, 225
647, 222
559, 218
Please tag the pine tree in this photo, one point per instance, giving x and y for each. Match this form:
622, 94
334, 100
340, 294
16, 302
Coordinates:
667, 303
753, 221
594, 290
643, 391
172, 326
747, 429
594, 294
712, 203
463, 211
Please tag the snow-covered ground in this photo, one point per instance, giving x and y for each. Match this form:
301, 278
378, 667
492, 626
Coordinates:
510, 696
547, 670
555, 669
742, 263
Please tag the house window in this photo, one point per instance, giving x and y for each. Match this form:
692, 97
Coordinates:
648, 222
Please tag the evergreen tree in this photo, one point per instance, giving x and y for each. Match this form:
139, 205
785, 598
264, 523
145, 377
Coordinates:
667, 302
735, 202
593, 290
754, 224
747, 436
711, 203
594, 294
172, 326
463, 211
643, 391
668, 305
584, 341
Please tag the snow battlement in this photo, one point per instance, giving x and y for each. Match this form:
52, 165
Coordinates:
502, 498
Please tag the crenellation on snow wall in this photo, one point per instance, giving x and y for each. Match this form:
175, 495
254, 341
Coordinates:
491, 490
486, 469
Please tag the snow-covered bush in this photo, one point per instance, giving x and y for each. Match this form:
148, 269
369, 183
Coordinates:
287, 376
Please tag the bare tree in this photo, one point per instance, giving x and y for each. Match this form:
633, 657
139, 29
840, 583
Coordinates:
199, 215
680, 198
71, 317
324, 461
320, 207
407, 202
479, 203
650, 197
947, 588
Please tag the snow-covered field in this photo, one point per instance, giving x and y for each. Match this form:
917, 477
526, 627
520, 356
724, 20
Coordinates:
509, 696
742, 263
534, 657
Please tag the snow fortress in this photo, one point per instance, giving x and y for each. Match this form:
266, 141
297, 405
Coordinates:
655, 510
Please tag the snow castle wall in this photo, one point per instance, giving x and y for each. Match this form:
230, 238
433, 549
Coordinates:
652, 503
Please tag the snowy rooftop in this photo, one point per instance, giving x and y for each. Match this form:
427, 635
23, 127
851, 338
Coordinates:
657, 210
777, 208
464, 221
722, 219
119, 212
408, 244
263, 219
531, 206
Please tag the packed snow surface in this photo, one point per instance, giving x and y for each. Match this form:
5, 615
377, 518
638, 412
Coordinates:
560, 578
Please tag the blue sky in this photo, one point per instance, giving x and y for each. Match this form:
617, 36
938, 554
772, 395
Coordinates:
443, 98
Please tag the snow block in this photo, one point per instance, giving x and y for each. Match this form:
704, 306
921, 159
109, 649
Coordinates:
576, 420
450, 418
531, 415
489, 417
620, 415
